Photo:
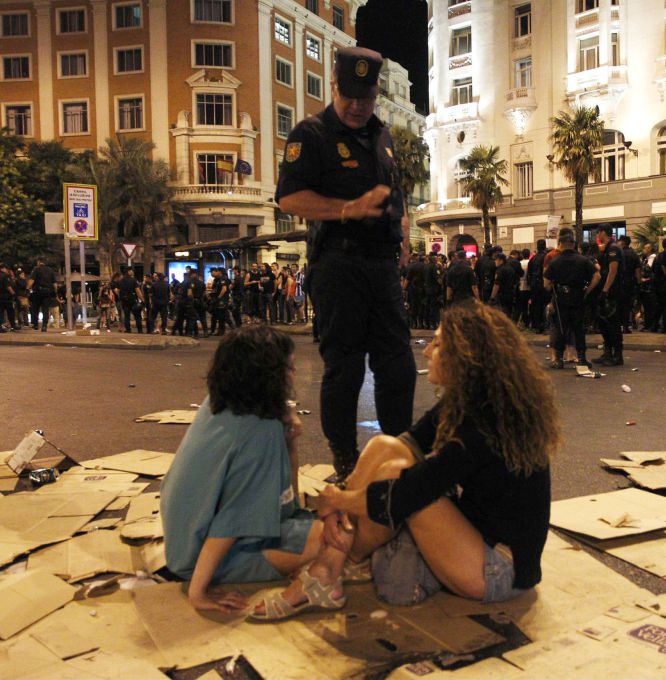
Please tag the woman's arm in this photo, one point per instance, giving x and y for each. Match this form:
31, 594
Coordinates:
212, 553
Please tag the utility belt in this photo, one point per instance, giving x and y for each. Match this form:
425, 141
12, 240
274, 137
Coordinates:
568, 295
371, 249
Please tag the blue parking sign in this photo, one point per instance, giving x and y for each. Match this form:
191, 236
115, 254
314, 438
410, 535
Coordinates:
80, 210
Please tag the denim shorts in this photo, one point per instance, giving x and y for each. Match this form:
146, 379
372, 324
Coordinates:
403, 577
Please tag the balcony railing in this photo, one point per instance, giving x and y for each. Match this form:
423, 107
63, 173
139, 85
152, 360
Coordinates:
459, 9
587, 19
217, 192
459, 113
597, 79
460, 61
520, 96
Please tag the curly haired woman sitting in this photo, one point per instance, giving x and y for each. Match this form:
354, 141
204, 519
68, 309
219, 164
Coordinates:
228, 502
466, 490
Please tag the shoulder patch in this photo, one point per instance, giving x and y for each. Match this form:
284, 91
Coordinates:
293, 152
343, 150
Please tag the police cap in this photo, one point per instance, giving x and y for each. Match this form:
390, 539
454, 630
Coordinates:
356, 72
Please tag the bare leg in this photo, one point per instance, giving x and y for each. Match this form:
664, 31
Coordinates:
286, 562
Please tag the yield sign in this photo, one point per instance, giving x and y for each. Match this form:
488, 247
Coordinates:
128, 249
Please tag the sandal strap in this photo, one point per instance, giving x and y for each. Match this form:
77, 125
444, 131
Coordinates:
276, 607
318, 593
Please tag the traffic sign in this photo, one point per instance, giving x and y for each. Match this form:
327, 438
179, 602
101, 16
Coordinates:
128, 249
80, 203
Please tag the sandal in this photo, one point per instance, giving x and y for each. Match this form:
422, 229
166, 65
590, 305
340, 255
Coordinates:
318, 598
357, 572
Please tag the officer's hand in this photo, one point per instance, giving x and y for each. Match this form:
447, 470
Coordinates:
368, 205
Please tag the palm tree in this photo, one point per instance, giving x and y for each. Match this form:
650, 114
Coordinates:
411, 157
651, 232
575, 137
483, 181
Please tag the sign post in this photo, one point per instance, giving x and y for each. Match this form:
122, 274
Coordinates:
80, 207
128, 249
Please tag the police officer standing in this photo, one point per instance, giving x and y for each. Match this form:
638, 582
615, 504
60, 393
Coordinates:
460, 280
339, 173
630, 281
571, 277
43, 285
611, 261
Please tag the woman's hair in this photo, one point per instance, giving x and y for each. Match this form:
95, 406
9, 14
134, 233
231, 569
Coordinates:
490, 376
248, 374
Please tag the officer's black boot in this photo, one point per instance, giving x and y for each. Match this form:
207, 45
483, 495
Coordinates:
582, 360
615, 359
344, 463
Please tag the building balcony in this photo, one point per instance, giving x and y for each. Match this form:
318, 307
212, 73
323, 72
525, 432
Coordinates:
459, 9
451, 208
587, 20
460, 61
519, 106
218, 193
523, 43
604, 81
458, 114
660, 78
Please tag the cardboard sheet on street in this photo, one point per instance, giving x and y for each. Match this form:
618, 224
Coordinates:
331, 645
611, 515
79, 480
29, 520
143, 518
145, 463
25, 451
98, 552
29, 597
63, 642
103, 523
176, 417
645, 468
487, 669
646, 552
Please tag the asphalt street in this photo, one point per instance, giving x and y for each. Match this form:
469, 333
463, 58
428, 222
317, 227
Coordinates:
86, 401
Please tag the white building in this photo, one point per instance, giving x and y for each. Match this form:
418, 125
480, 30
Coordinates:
501, 69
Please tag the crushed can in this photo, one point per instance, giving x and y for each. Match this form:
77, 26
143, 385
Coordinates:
43, 476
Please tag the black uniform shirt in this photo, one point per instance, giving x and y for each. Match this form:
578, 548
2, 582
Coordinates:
160, 292
460, 278
43, 279
632, 262
327, 157
5, 287
612, 253
485, 272
127, 289
198, 289
573, 271
506, 279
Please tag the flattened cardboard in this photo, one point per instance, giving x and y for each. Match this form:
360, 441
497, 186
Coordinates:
644, 468
106, 666
25, 451
487, 669
80, 480
175, 417
98, 552
145, 463
29, 597
584, 515
63, 642
119, 504
645, 552
104, 523
143, 518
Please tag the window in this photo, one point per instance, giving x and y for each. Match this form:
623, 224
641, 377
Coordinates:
314, 86
73, 65
522, 23
129, 60
216, 55
615, 49
218, 11
586, 5
214, 109
461, 41
459, 175
588, 53
130, 113
18, 118
522, 73
283, 71
524, 173
284, 223
16, 67
127, 16
71, 20
214, 168
661, 150
609, 160
312, 6
15, 25
285, 120
338, 17
461, 92
75, 118
283, 31
313, 48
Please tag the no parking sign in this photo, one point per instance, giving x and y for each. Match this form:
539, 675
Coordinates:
80, 202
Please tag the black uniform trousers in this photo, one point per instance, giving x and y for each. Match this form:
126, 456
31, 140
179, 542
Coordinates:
611, 330
130, 309
7, 307
660, 310
627, 305
568, 320
40, 303
161, 309
358, 304
236, 310
539, 300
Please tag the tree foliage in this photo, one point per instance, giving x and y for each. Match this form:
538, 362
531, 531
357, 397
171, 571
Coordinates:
652, 232
411, 157
575, 137
483, 181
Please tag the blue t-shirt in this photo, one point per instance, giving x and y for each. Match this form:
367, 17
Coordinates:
231, 477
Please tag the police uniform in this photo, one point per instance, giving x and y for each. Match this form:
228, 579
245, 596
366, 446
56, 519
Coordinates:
461, 280
353, 277
570, 274
610, 305
632, 263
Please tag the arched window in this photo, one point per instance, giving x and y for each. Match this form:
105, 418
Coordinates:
458, 175
661, 150
609, 160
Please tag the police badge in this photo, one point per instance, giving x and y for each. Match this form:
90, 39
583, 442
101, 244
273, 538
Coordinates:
343, 150
293, 151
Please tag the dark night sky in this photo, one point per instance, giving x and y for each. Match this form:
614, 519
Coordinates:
399, 30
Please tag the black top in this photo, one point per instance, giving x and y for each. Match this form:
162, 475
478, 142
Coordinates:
20, 285
632, 262
327, 157
160, 292
658, 267
268, 281
43, 279
506, 279
6, 288
198, 289
237, 288
517, 268
571, 273
127, 289
535, 270
460, 279
612, 253
504, 507
485, 272
415, 274
431, 283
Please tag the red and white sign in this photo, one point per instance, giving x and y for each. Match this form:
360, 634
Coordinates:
435, 244
129, 249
